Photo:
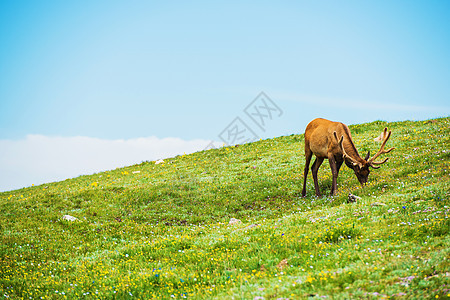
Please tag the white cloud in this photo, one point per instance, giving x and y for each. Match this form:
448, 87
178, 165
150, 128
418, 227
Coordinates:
40, 159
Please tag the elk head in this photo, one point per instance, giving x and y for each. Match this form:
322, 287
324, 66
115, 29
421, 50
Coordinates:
361, 166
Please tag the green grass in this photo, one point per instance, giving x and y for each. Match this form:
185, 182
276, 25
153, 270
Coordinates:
161, 231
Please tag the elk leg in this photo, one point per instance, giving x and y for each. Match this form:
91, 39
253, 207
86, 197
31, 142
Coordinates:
338, 165
308, 156
334, 171
315, 168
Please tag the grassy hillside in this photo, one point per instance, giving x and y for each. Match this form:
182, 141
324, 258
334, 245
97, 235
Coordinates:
162, 230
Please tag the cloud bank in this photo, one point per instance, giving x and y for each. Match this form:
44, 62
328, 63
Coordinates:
38, 159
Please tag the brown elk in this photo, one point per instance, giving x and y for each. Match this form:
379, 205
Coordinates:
321, 139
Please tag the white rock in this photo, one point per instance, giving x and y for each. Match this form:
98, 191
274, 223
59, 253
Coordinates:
159, 161
353, 198
69, 218
234, 221
251, 226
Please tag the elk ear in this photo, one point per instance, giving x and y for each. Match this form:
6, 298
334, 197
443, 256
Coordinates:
367, 156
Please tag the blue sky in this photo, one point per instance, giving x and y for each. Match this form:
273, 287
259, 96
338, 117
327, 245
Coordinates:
116, 70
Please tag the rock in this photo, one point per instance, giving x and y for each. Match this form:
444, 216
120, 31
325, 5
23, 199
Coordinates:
136, 172
282, 264
378, 204
352, 198
69, 218
251, 226
159, 161
234, 221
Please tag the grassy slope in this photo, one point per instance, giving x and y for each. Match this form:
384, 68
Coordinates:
162, 230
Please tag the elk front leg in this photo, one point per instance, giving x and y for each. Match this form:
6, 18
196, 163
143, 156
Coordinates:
315, 169
338, 165
334, 172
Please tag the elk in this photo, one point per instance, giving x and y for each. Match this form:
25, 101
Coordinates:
322, 140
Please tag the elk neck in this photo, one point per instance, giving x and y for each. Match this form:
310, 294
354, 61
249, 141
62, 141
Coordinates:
350, 148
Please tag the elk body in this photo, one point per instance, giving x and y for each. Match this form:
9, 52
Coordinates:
333, 141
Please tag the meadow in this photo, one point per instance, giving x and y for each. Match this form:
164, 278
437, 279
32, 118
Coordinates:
162, 230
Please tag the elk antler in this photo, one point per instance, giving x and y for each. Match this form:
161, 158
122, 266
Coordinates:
372, 161
344, 154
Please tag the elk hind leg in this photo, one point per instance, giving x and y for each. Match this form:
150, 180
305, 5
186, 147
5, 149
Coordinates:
308, 156
314, 169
